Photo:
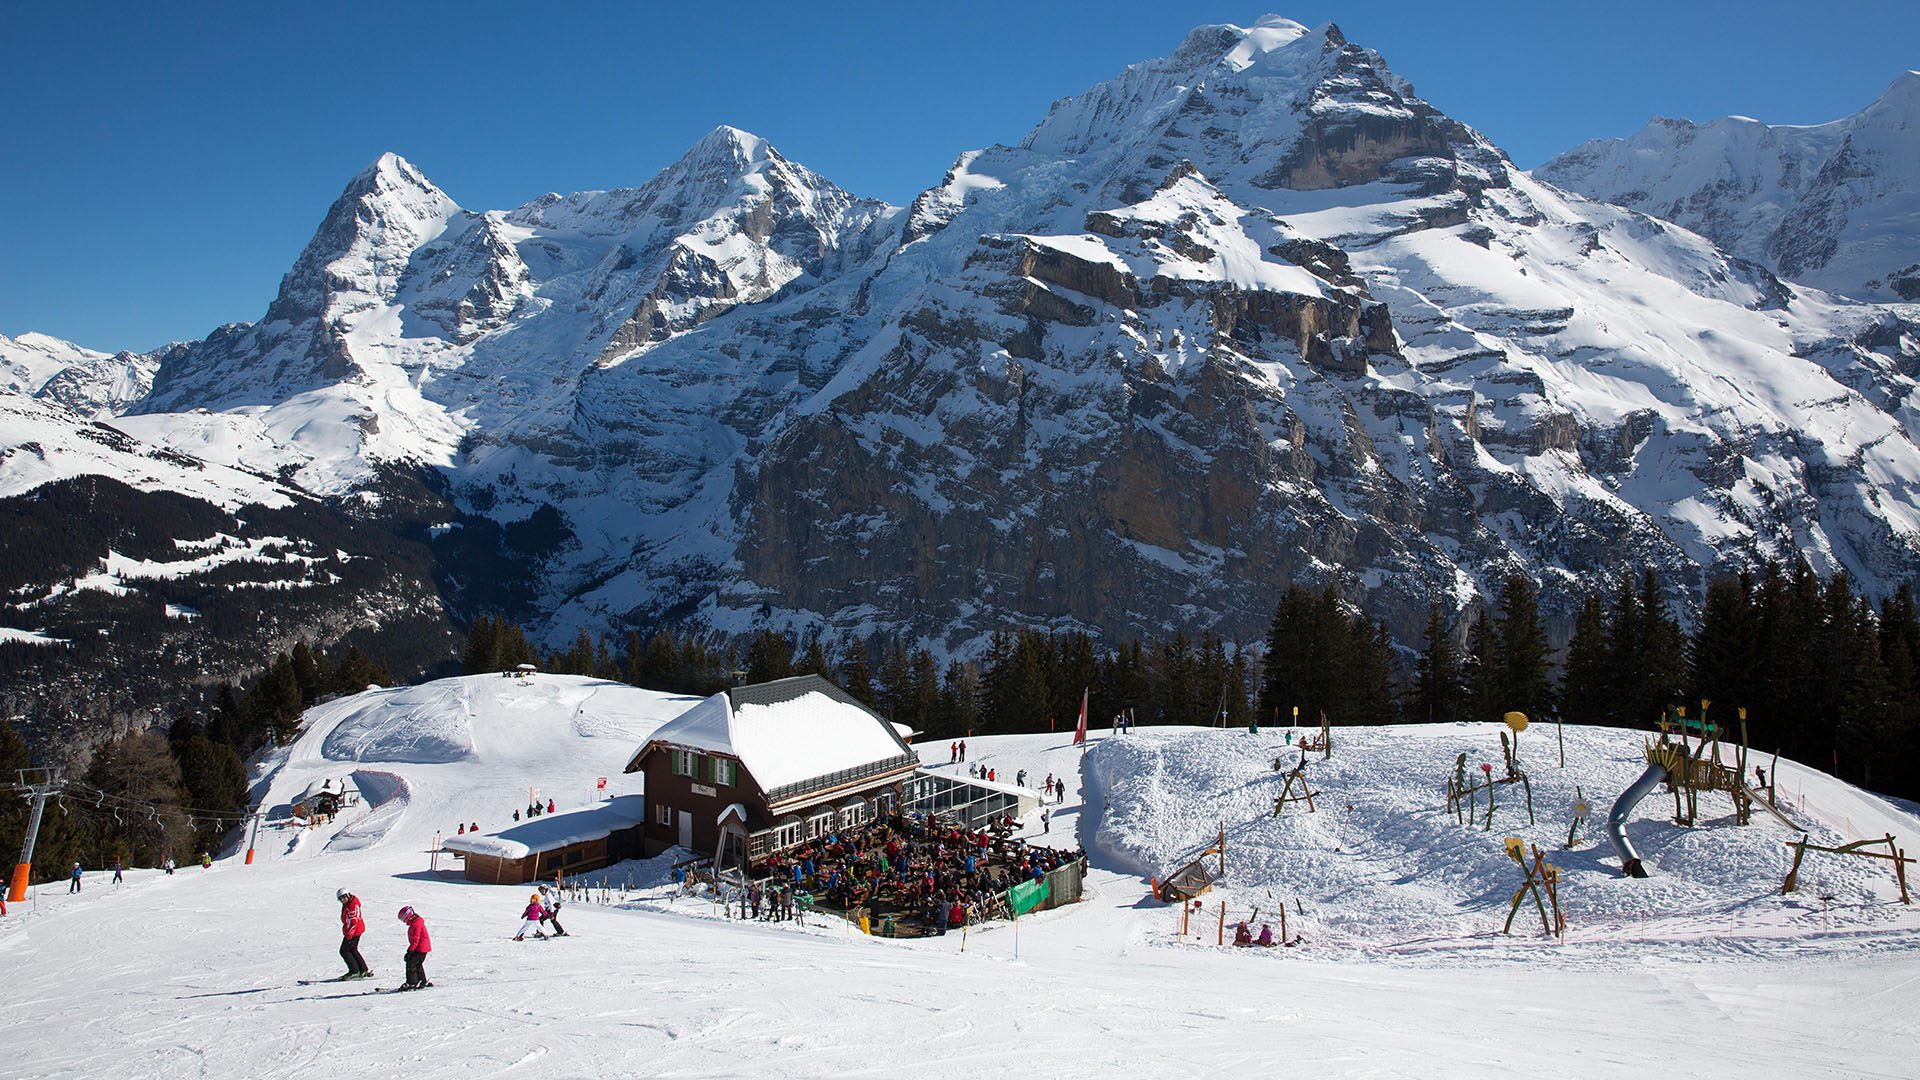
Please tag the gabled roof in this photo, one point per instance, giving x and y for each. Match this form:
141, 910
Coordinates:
784, 732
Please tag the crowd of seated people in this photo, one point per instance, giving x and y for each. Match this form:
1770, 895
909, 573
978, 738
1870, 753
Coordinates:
941, 874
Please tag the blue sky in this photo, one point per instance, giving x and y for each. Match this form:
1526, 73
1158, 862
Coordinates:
161, 165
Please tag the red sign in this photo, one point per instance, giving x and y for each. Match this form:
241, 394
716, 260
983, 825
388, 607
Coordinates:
603, 783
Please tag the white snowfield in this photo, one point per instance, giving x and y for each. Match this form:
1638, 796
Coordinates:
1701, 969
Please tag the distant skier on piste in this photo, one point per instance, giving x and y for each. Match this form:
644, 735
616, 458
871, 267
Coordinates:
352, 925
418, 946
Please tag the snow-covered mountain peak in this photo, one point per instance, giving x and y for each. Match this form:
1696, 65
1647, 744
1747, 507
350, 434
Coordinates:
1834, 205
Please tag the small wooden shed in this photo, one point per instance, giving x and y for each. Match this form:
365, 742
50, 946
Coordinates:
559, 843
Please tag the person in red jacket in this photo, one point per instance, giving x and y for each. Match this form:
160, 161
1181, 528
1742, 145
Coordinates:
351, 927
418, 946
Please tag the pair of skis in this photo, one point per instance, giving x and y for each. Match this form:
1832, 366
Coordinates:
347, 978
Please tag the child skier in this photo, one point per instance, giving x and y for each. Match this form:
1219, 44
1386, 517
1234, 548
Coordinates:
531, 918
550, 900
418, 946
352, 925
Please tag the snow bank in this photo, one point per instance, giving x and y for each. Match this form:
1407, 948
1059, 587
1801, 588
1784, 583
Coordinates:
417, 724
1382, 863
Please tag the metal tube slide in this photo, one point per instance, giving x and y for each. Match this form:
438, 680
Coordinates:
1622, 810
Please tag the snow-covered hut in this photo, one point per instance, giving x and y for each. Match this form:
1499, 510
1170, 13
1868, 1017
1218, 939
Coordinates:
323, 799
758, 768
568, 842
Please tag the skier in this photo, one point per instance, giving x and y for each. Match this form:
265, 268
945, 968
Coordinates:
206, 861
953, 752
462, 831
418, 946
1046, 823
167, 865
352, 925
550, 898
73, 886
531, 919
118, 866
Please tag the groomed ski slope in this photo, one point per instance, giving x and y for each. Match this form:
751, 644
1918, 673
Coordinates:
197, 974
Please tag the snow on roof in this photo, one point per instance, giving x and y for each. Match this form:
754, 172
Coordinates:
551, 831
784, 732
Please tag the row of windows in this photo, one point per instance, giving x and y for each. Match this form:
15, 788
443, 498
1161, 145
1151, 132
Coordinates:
718, 771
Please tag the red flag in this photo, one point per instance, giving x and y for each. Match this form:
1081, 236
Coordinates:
1080, 732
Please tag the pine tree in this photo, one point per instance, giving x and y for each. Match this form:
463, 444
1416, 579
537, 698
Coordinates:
1485, 670
1585, 690
1525, 682
1438, 689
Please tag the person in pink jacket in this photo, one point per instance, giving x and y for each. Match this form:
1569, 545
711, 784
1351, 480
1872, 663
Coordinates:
418, 946
530, 918
352, 925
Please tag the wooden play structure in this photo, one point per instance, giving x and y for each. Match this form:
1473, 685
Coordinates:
1188, 882
1893, 854
1696, 767
1463, 792
1296, 789
1322, 742
1541, 878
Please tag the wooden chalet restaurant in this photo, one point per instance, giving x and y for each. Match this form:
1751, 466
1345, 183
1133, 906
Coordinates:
744, 776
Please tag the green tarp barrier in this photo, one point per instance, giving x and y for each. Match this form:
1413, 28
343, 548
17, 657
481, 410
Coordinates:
1026, 896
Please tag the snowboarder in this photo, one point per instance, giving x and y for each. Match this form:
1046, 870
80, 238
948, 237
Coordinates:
118, 868
73, 886
531, 919
352, 925
550, 900
418, 946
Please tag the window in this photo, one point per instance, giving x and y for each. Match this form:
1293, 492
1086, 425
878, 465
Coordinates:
790, 832
723, 771
819, 824
662, 814
685, 762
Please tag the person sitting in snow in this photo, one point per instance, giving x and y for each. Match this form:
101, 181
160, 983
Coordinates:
1242, 936
531, 918
1265, 940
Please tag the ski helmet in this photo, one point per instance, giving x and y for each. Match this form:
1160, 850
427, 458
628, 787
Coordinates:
406, 914
341, 894
535, 897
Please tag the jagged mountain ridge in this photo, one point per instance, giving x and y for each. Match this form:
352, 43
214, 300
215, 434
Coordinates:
1248, 314
1834, 205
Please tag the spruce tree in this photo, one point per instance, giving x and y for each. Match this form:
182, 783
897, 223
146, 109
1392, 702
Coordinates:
1437, 686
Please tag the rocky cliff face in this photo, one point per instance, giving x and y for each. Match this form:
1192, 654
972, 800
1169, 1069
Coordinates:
1248, 314
1832, 205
